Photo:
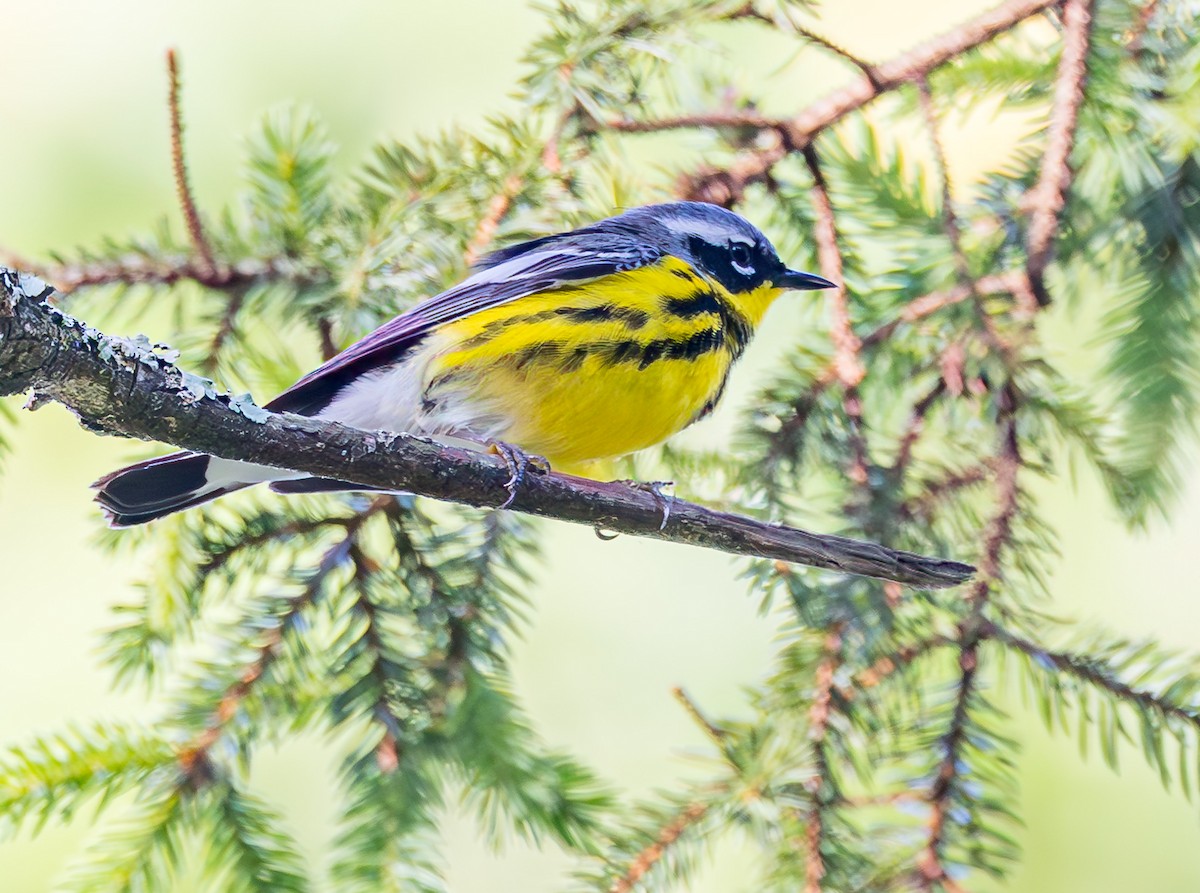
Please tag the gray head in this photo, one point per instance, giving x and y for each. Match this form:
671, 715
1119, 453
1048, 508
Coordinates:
721, 243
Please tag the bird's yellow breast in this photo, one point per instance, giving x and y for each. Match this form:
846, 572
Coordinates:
597, 370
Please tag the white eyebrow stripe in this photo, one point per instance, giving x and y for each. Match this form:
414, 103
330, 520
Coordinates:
713, 233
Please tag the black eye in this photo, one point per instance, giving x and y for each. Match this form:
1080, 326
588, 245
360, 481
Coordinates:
739, 253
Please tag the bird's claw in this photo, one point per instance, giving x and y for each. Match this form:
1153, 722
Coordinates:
661, 499
518, 463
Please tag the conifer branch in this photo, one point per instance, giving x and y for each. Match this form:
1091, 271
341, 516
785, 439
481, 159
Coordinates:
117, 387
650, 856
1094, 672
717, 734
930, 869
1047, 199
867, 69
169, 269
1010, 283
498, 207
949, 216
1137, 36
820, 784
207, 267
847, 363
194, 759
916, 423
846, 344
725, 186
883, 668
934, 491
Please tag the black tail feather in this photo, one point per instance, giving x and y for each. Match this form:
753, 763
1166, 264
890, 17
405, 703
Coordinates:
157, 487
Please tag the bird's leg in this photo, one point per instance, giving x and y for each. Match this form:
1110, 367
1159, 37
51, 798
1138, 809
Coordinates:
518, 463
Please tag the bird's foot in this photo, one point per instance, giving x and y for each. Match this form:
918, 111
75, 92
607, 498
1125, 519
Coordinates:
518, 463
661, 499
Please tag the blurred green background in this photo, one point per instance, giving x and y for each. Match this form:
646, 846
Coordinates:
612, 626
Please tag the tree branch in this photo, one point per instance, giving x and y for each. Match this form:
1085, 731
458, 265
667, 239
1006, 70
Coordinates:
1049, 196
118, 386
187, 203
194, 759
138, 269
1090, 670
724, 186
648, 857
820, 785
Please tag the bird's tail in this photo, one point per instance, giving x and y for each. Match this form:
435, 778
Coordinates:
158, 487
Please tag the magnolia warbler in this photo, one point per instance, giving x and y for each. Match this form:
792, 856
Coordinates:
575, 347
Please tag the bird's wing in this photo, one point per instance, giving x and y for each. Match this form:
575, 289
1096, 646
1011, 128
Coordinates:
517, 274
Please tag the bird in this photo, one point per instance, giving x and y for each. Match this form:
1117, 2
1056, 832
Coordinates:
571, 348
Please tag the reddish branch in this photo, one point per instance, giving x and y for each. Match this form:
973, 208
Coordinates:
725, 186
930, 869
846, 344
649, 857
485, 232
932, 492
819, 715
714, 731
195, 757
867, 69
191, 216
1138, 35
225, 330
387, 752
1092, 672
949, 217
846, 363
138, 269
1012, 283
1047, 199
916, 423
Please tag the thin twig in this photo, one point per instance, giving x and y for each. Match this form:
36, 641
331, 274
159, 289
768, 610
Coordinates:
191, 216
1011, 283
225, 330
714, 731
867, 69
819, 715
490, 223
194, 758
930, 869
934, 491
1088, 670
667, 836
949, 217
916, 423
846, 344
1137, 35
725, 185
738, 118
1047, 199
846, 362
888, 665
137, 269
387, 752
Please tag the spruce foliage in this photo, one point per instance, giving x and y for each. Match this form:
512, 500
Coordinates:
875, 757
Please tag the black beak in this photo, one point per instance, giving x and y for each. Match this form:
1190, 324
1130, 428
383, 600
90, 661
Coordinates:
804, 281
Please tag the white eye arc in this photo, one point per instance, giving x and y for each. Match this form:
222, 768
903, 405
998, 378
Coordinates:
739, 256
